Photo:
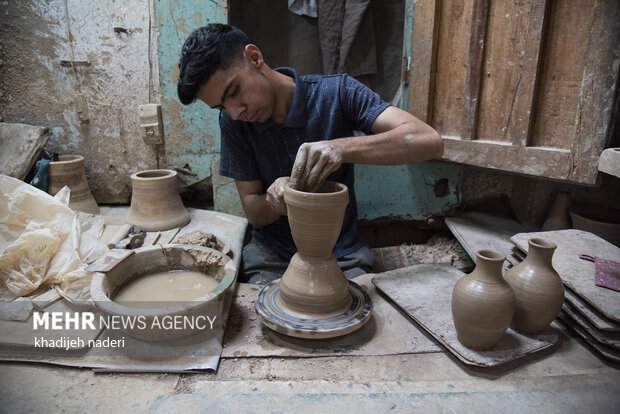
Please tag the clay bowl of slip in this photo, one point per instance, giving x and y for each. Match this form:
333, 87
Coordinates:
157, 286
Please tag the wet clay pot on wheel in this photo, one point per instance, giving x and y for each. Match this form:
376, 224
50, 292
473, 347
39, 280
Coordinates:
69, 171
537, 287
483, 304
314, 299
155, 201
313, 282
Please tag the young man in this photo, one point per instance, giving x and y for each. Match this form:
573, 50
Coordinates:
277, 124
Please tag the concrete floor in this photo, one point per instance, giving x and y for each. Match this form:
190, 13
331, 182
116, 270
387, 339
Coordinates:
565, 380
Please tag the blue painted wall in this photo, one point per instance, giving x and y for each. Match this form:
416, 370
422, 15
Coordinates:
192, 132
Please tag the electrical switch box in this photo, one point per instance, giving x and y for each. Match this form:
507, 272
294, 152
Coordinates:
151, 124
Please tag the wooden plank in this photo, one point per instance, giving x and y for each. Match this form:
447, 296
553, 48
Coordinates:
474, 68
536, 161
451, 69
564, 54
520, 122
599, 90
423, 58
505, 40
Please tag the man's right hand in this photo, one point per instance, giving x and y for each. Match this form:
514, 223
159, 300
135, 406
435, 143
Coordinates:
275, 195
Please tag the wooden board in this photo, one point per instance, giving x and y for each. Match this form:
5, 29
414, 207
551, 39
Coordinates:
424, 292
576, 273
606, 352
610, 339
477, 230
599, 321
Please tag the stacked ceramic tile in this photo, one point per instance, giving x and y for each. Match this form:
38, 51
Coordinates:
592, 312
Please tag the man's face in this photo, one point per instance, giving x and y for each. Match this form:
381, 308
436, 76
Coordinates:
242, 90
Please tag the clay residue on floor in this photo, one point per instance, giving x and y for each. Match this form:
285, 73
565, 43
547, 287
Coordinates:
200, 238
437, 249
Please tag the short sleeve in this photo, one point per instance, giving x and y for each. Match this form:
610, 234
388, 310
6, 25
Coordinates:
238, 160
360, 103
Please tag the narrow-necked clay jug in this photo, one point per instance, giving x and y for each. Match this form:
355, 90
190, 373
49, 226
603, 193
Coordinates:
538, 288
483, 304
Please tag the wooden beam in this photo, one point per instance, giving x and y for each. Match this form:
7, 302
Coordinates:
551, 163
474, 68
424, 35
522, 113
599, 90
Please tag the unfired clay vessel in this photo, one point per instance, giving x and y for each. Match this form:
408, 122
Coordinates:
538, 288
483, 304
313, 282
69, 171
314, 299
155, 201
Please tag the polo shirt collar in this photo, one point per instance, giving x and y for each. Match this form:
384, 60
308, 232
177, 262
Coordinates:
297, 116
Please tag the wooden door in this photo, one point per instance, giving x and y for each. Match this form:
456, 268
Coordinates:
522, 86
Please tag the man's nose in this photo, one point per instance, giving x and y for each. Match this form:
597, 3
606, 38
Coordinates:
235, 110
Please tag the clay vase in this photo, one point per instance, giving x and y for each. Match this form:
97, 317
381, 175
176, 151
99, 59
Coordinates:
538, 288
69, 171
483, 304
155, 201
313, 284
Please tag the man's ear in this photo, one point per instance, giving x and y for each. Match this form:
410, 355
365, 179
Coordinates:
253, 56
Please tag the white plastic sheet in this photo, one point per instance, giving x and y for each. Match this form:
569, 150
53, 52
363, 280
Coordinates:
44, 242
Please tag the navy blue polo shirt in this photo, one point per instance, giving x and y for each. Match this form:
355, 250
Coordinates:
323, 108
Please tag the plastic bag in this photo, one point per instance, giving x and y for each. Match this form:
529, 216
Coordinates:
44, 242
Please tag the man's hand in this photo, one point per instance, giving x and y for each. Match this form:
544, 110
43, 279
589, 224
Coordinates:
313, 164
275, 195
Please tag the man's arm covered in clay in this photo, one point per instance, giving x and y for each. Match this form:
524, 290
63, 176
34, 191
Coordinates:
399, 138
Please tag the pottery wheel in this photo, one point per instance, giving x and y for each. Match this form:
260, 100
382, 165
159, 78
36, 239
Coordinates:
348, 321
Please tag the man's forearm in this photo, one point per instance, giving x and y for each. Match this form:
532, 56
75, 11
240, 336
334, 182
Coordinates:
259, 210
402, 145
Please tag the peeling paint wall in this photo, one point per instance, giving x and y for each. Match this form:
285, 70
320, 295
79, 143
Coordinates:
109, 43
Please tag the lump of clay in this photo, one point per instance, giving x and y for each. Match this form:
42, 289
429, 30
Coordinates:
200, 238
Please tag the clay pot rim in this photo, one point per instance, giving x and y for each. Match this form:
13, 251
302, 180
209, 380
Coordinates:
341, 189
69, 158
165, 173
541, 243
490, 255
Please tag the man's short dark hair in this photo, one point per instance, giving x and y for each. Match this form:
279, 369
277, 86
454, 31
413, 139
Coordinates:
212, 47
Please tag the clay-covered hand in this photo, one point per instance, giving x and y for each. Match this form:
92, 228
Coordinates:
275, 195
313, 164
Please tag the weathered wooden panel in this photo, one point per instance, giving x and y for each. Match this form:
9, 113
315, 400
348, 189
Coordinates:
502, 72
475, 56
599, 90
423, 58
519, 126
562, 72
453, 34
540, 85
